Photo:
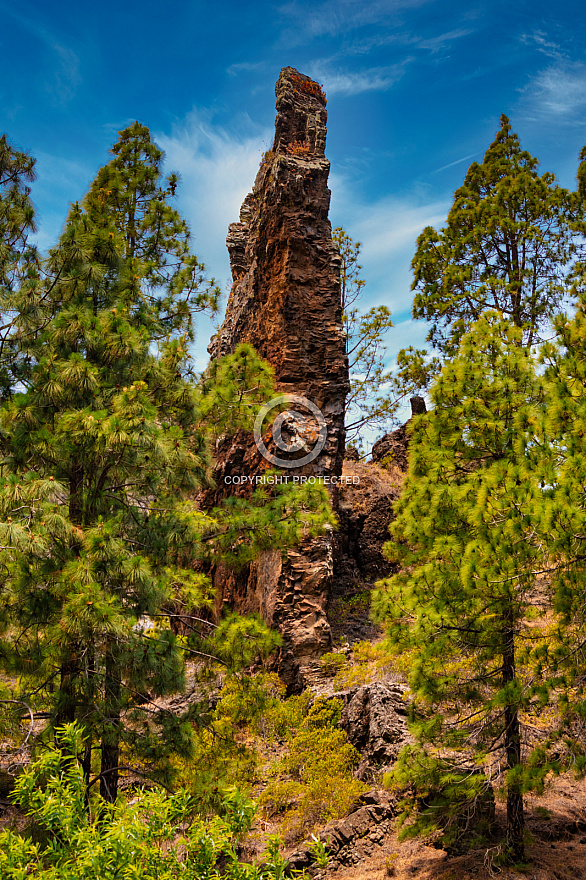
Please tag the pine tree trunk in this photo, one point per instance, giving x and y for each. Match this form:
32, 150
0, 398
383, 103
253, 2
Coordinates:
70, 669
515, 810
67, 698
90, 675
111, 736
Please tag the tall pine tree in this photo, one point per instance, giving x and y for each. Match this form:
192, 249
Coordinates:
103, 451
507, 245
460, 604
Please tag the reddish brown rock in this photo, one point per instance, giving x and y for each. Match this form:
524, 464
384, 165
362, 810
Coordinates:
285, 300
391, 449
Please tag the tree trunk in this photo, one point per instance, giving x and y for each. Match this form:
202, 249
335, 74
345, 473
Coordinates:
515, 810
67, 696
111, 736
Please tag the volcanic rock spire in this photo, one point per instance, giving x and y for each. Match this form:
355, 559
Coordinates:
285, 300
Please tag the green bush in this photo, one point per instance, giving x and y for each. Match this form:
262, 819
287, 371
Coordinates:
284, 717
154, 837
315, 782
332, 663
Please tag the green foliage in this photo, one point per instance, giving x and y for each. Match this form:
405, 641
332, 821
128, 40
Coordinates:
332, 663
562, 519
19, 261
154, 837
441, 798
226, 754
104, 447
365, 335
319, 852
281, 719
314, 782
368, 662
465, 534
507, 245
233, 389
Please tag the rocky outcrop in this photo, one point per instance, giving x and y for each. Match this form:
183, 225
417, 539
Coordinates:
350, 840
365, 511
391, 450
375, 722
285, 296
285, 300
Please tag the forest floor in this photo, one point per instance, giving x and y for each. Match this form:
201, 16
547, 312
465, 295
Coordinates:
556, 826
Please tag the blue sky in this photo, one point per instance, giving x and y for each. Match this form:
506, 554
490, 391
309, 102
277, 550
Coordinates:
415, 90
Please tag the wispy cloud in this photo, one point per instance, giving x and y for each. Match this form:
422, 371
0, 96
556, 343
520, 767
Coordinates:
354, 82
538, 40
336, 17
389, 228
245, 67
455, 162
558, 91
66, 75
441, 41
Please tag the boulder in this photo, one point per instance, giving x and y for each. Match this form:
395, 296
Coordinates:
374, 720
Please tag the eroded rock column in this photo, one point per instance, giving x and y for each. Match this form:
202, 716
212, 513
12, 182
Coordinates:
285, 300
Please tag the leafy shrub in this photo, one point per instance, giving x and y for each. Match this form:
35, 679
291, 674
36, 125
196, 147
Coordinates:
369, 661
154, 837
316, 771
332, 663
281, 719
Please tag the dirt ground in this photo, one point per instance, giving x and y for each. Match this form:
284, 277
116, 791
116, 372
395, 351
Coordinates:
556, 830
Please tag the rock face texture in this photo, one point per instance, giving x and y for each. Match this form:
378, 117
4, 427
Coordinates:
365, 511
352, 839
375, 721
391, 449
285, 300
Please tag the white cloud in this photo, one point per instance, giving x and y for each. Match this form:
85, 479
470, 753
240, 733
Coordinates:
345, 83
217, 170
558, 91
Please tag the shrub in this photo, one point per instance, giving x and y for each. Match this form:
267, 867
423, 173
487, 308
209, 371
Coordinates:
281, 719
332, 663
154, 837
316, 772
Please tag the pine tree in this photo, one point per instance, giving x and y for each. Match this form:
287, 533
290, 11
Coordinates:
563, 516
507, 245
17, 257
103, 452
464, 534
366, 405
